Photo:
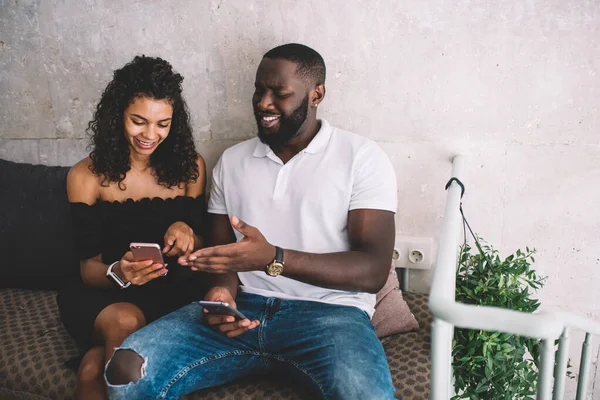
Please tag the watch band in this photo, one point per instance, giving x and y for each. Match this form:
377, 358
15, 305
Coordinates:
278, 254
116, 279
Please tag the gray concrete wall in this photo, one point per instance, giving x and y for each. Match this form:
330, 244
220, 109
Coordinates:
512, 84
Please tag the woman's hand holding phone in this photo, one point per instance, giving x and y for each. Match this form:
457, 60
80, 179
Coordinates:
179, 240
226, 324
140, 272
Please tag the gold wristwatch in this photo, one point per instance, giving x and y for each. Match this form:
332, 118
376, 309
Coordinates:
276, 267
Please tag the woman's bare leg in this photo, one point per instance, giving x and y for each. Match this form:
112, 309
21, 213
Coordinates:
111, 327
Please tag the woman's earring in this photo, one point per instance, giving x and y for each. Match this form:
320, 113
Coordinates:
315, 104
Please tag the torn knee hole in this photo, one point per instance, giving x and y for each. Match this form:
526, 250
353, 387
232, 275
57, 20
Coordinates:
125, 366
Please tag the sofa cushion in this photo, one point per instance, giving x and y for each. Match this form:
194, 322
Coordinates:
36, 240
35, 347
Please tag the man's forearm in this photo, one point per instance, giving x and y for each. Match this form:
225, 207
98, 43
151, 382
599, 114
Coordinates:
363, 268
355, 271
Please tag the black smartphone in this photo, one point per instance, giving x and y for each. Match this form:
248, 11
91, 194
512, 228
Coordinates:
222, 308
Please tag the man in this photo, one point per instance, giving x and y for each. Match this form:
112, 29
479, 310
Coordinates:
312, 211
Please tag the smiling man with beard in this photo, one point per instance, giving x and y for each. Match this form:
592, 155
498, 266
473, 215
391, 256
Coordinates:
289, 126
280, 100
302, 234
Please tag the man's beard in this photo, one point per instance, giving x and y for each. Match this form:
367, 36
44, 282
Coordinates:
288, 127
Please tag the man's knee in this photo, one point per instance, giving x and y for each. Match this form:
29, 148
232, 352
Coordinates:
125, 366
352, 383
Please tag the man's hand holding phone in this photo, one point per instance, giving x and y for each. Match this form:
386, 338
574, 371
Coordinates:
229, 325
141, 264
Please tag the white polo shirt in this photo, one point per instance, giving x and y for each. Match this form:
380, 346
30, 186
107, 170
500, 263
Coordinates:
303, 205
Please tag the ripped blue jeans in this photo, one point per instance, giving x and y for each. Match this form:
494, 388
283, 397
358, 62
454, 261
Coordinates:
329, 349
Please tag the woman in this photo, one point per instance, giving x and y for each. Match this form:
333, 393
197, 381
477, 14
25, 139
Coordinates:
143, 182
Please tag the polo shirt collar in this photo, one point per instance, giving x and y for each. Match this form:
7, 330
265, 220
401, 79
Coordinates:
261, 149
316, 145
320, 140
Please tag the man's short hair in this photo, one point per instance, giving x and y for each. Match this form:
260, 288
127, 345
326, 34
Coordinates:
310, 64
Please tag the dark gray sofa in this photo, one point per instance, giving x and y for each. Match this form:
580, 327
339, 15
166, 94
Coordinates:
35, 243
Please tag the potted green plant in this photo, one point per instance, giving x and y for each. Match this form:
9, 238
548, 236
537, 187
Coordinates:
494, 365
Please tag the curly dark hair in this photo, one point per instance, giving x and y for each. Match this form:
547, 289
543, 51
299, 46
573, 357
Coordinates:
174, 161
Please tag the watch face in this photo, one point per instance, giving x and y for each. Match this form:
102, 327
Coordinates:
275, 269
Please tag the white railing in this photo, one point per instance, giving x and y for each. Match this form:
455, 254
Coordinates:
448, 314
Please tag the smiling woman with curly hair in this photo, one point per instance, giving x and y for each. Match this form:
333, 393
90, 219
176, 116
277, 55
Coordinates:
143, 182
174, 161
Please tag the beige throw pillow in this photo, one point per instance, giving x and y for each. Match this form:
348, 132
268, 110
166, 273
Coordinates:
392, 314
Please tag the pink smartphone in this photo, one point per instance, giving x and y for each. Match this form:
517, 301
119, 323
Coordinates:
146, 251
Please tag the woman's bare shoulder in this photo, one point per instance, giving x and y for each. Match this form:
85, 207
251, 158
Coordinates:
196, 188
83, 185
201, 164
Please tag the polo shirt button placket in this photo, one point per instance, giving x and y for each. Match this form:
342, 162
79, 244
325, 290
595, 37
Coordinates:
281, 183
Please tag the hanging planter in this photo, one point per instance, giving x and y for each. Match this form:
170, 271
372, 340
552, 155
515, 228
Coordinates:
494, 365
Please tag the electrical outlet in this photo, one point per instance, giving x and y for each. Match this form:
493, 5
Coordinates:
413, 252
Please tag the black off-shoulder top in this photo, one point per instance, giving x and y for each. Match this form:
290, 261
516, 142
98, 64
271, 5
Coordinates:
107, 227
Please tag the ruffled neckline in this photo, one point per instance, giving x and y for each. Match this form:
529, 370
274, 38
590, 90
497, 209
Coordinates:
143, 200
